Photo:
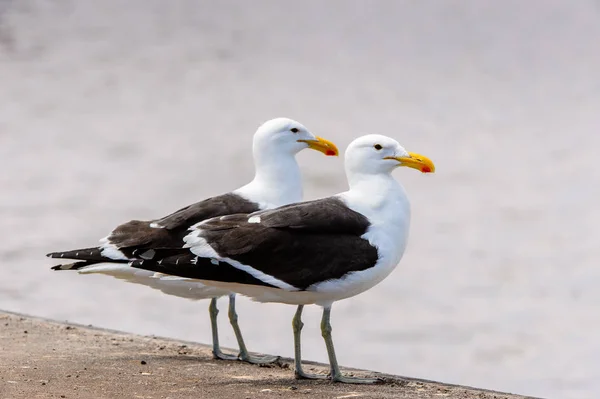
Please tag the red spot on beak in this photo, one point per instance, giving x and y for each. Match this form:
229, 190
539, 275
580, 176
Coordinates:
330, 153
426, 169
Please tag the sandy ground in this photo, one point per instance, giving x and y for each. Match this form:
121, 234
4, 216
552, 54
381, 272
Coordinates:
45, 359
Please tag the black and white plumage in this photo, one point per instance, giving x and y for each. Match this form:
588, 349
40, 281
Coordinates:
139, 239
277, 182
314, 252
276, 244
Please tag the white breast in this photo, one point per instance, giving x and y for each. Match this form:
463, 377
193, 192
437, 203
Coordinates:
390, 222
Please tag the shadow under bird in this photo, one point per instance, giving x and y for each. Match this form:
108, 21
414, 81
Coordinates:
277, 182
314, 252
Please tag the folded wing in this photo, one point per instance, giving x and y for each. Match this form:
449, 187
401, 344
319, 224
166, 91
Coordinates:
298, 245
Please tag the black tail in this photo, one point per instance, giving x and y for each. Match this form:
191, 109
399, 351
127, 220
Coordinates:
80, 254
86, 257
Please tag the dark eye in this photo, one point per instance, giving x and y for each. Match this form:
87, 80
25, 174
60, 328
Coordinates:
294, 130
377, 147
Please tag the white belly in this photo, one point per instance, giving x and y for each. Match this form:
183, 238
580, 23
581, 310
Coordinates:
323, 294
170, 285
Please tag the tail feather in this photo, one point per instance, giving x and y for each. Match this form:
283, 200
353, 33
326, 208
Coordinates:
73, 266
86, 257
120, 270
90, 254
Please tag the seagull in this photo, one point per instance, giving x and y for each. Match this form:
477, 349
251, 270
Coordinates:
314, 252
277, 182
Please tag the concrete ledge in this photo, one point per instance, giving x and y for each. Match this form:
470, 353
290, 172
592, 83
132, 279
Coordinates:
46, 359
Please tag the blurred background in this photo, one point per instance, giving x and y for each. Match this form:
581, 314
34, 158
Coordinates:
113, 110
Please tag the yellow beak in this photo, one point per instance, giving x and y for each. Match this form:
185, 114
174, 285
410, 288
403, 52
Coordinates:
322, 145
416, 161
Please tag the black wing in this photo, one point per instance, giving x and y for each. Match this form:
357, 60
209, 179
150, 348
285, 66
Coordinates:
300, 244
135, 237
225, 204
183, 263
138, 238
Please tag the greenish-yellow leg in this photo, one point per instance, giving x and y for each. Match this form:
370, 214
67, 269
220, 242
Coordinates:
297, 327
244, 355
335, 373
214, 311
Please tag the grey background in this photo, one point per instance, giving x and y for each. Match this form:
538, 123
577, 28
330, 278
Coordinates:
113, 110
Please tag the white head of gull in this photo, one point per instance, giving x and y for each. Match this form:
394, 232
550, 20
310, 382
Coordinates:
277, 179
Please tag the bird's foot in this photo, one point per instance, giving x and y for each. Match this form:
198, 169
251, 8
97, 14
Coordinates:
301, 375
338, 377
267, 359
223, 356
